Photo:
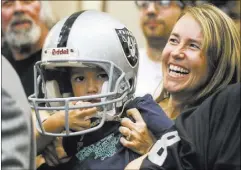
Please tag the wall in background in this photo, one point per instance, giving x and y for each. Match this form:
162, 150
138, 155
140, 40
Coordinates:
128, 14
64, 8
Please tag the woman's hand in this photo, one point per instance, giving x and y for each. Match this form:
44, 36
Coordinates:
137, 137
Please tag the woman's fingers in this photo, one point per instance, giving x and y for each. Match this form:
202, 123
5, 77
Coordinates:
126, 122
135, 114
130, 135
136, 134
125, 142
124, 131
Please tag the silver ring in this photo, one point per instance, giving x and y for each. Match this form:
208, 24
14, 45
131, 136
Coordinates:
128, 137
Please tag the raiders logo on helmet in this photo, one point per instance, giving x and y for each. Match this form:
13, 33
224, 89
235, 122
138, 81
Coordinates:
129, 45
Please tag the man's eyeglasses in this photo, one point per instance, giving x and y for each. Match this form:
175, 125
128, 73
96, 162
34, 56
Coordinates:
161, 3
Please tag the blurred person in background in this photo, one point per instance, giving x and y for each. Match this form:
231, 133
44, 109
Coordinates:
157, 19
17, 134
25, 25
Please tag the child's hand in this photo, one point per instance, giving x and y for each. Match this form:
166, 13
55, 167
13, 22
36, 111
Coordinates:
54, 153
79, 119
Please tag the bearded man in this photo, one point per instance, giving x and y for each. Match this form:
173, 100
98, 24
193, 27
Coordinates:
25, 25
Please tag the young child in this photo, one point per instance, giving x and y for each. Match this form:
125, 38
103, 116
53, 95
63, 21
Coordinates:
88, 76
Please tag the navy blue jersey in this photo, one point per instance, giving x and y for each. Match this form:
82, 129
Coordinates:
203, 138
102, 149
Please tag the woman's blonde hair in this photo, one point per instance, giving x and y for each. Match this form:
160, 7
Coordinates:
221, 46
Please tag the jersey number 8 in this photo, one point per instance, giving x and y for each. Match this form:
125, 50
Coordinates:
158, 153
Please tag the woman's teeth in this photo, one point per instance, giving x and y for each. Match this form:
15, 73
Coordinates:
177, 71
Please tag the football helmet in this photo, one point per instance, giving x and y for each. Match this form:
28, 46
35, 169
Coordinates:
86, 39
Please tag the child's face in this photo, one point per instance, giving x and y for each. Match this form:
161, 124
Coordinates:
87, 81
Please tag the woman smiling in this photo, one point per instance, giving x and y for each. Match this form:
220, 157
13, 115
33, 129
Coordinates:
200, 62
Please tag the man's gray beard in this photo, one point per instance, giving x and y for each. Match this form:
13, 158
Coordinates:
23, 38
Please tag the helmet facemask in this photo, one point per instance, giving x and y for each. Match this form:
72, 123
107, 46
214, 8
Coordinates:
86, 39
55, 79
